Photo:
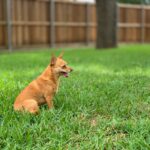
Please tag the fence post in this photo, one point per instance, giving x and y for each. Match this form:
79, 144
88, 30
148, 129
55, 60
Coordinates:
87, 22
126, 28
9, 25
142, 23
52, 22
117, 26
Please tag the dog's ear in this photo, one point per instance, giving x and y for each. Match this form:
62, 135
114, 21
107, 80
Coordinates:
61, 54
53, 60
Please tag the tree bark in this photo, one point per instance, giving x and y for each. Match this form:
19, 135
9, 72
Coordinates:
106, 11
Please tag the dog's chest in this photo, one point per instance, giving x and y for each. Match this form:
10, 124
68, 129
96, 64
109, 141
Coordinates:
50, 89
53, 89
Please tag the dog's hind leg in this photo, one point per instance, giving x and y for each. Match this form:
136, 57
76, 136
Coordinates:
29, 105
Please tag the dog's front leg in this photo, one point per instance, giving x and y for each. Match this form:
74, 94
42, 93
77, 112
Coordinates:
49, 101
57, 87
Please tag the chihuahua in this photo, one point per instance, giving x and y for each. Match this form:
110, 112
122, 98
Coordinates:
43, 88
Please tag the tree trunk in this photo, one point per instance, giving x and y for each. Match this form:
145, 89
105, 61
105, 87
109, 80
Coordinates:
106, 23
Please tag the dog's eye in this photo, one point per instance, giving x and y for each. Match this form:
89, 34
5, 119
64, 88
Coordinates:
64, 66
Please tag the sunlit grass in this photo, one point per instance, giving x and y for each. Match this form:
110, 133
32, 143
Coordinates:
104, 104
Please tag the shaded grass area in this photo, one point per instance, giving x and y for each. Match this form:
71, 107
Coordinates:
104, 104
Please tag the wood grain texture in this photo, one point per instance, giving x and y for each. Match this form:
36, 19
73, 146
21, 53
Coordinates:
31, 23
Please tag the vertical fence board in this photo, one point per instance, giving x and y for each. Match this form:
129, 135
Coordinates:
9, 25
1, 26
142, 24
52, 12
147, 28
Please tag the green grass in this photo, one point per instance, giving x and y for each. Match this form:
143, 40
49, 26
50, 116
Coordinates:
104, 104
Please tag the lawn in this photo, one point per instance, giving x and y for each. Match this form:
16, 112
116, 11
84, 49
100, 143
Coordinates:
104, 104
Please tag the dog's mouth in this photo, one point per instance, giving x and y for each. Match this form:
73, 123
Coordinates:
65, 74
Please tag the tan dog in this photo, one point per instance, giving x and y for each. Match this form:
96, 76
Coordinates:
42, 89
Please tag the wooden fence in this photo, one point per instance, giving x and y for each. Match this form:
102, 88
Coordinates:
26, 23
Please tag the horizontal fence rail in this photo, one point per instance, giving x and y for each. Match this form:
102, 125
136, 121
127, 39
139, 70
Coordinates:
36, 23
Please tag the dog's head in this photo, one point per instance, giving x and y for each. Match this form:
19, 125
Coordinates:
60, 66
